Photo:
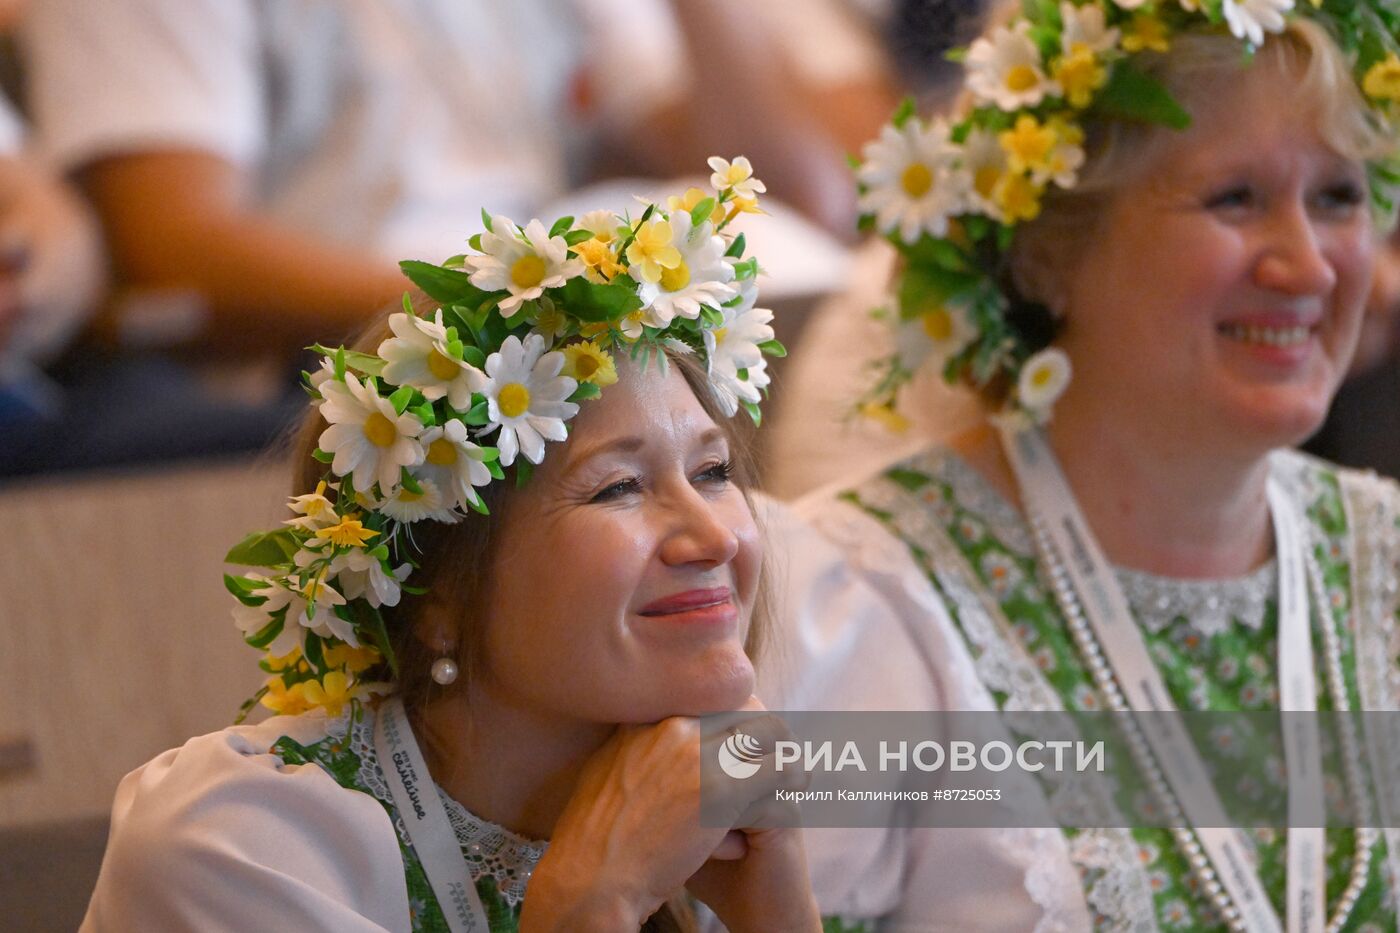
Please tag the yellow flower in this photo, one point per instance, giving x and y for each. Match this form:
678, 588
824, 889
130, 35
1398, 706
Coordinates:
349, 532
886, 416
1080, 75
331, 692
1382, 81
651, 252
686, 202
1017, 197
1146, 31
351, 659
1027, 145
284, 700
292, 660
588, 362
599, 261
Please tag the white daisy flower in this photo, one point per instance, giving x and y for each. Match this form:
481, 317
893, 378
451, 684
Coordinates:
1250, 19
367, 437
407, 506
1005, 69
737, 175
417, 356
602, 224
733, 346
527, 398
453, 464
934, 337
309, 606
550, 323
361, 574
1134, 4
701, 278
913, 180
523, 267
1084, 26
1043, 380
984, 161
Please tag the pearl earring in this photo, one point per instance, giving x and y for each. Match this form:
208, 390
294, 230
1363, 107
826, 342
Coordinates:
444, 671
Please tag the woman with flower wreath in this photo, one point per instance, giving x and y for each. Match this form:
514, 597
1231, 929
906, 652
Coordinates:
1156, 220
490, 723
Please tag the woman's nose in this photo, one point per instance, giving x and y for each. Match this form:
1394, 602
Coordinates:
698, 533
1293, 260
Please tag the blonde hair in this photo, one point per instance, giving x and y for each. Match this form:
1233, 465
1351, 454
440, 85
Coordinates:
1304, 56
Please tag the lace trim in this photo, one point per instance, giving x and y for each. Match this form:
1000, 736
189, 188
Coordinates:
1209, 606
490, 850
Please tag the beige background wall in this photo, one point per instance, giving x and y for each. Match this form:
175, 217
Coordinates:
116, 639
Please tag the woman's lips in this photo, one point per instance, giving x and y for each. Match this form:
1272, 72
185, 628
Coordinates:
697, 605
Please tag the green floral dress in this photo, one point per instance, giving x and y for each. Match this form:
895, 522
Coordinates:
1214, 643
500, 861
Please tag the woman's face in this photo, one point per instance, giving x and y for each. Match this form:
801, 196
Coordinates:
627, 568
1224, 287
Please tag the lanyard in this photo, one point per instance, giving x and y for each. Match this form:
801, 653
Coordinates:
425, 820
1047, 495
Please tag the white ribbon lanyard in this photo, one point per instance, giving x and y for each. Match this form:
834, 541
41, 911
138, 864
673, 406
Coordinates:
425, 820
1047, 494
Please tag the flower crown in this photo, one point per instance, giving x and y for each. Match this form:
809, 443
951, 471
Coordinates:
525, 329
950, 194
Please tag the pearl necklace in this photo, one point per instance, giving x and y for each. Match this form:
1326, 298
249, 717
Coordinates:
1102, 674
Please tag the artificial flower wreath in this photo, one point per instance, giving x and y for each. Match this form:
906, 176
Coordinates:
526, 328
949, 194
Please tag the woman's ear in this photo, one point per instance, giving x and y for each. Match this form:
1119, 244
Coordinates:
435, 627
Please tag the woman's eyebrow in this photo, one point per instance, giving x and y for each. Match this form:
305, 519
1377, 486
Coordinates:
628, 444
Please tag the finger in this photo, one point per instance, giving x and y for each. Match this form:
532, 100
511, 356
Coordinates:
732, 847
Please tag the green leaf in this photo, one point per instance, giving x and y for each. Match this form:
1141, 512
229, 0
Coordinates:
409, 482
736, 249
264, 549
473, 356
322, 455
244, 590
477, 416
340, 363
425, 413
712, 316
445, 286
939, 252
488, 454
903, 112
753, 411
773, 348
575, 237
746, 269
486, 220
495, 469
593, 303
585, 390
401, 397
1132, 95
269, 632
365, 363
524, 469
312, 648
561, 226
478, 506
701, 212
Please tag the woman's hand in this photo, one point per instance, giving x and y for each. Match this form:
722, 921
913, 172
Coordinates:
631, 836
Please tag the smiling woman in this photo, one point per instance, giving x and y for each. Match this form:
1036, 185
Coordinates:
491, 720
1145, 242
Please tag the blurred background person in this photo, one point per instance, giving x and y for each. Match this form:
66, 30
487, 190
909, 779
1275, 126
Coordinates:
256, 166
